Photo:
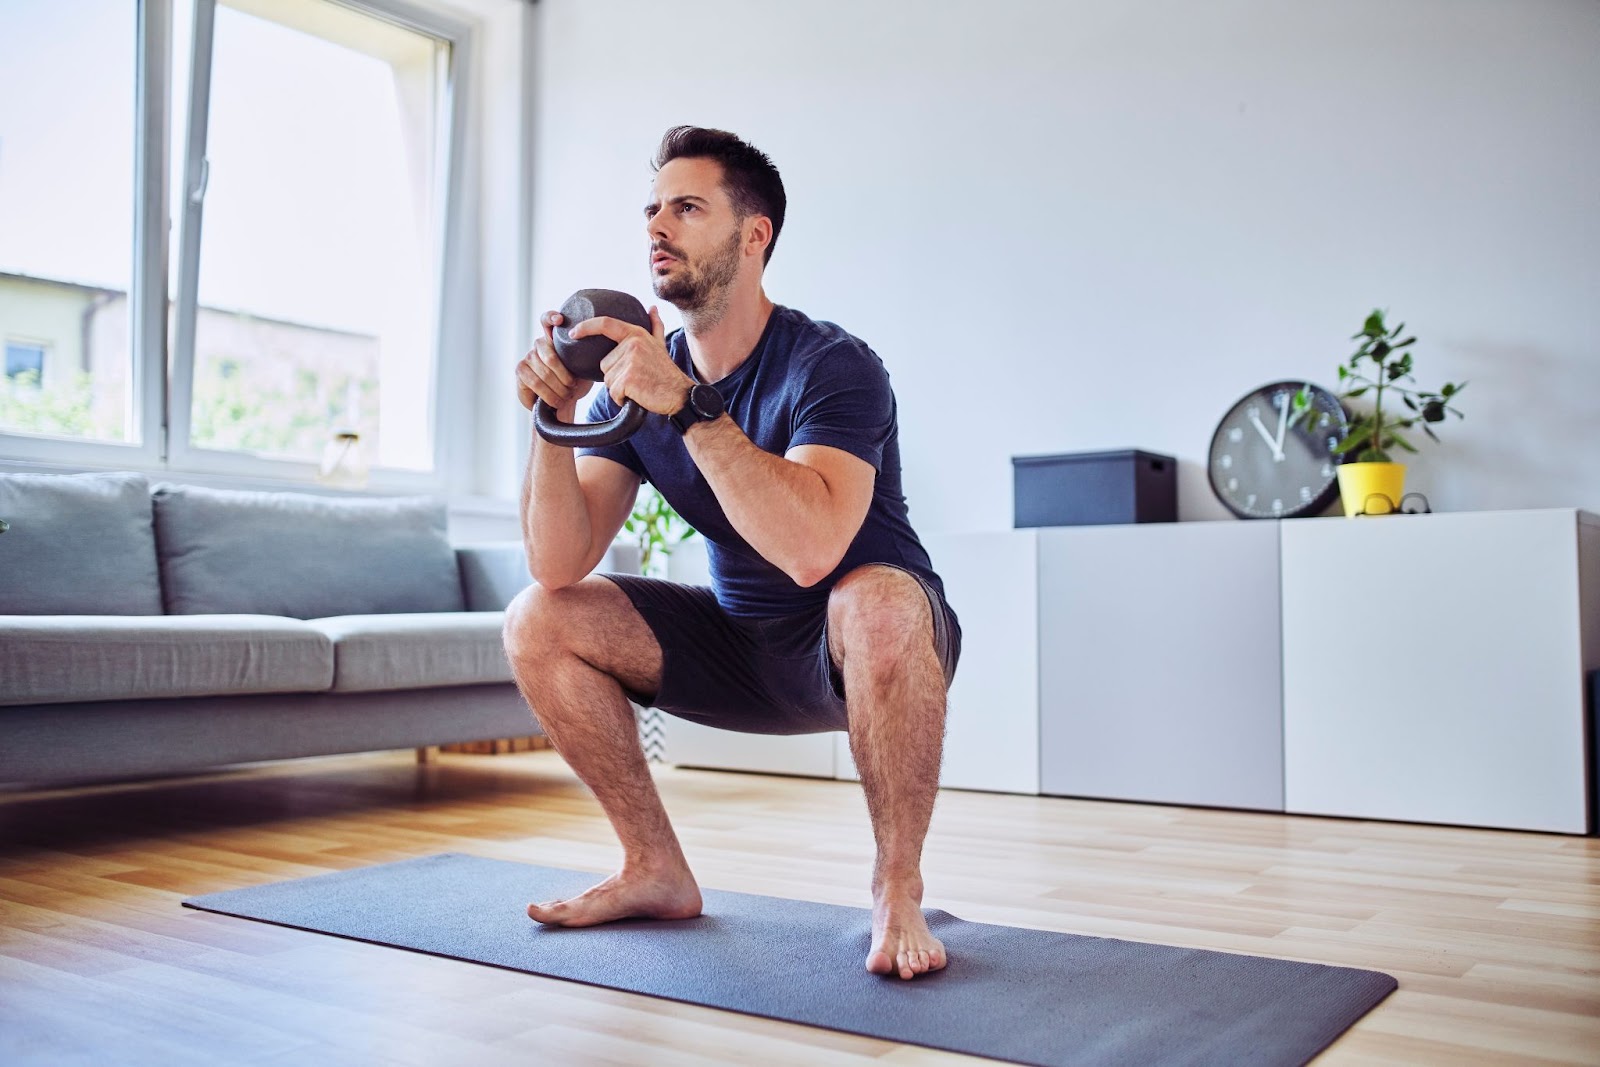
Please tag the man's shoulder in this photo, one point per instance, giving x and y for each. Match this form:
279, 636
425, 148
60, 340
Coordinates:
809, 334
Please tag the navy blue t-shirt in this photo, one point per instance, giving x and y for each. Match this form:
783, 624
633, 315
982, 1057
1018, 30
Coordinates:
806, 383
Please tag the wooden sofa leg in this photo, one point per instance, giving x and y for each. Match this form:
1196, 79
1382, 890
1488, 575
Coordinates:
428, 754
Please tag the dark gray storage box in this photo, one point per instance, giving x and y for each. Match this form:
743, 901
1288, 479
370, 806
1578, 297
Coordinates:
1095, 488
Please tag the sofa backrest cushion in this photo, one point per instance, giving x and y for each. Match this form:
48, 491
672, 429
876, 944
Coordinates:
226, 552
79, 544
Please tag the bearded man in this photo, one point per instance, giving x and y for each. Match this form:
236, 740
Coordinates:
775, 436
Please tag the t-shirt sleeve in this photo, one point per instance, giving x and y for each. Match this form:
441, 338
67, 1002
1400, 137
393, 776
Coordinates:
846, 403
602, 407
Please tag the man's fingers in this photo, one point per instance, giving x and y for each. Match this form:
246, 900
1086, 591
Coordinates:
546, 351
535, 376
550, 320
656, 327
602, 325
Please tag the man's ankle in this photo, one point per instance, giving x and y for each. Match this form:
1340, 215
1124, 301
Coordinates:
895, 886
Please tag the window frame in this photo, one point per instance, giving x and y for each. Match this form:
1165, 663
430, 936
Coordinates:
161, 373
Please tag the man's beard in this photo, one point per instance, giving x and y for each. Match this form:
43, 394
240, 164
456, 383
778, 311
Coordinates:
701, 291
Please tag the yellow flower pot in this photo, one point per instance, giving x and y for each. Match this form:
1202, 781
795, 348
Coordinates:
1361, 483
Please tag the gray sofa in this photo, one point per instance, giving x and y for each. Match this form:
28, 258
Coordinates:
160, 629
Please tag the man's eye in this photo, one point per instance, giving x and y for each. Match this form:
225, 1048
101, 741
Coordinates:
686, 207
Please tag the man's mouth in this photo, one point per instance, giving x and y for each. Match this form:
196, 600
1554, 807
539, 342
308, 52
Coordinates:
661, 259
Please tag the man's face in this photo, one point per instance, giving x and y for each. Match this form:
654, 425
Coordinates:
696, 241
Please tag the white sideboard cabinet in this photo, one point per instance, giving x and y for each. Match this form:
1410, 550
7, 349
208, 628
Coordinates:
1159, 669
1434, 666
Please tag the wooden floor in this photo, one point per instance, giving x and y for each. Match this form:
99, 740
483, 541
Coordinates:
1494, 936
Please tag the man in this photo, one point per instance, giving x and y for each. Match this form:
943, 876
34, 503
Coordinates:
775, 437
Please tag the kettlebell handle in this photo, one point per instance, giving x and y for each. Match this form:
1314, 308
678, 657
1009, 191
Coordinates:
582, 357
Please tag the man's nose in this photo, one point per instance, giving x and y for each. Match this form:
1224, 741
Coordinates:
656, 226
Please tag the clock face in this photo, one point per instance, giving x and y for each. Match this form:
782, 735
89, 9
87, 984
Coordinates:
1268, 462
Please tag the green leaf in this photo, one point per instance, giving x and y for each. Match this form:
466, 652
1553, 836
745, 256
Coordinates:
1359, 435
1396, 439
1374, 455
1374, 325
1429, 431
1357, 391
1412, 404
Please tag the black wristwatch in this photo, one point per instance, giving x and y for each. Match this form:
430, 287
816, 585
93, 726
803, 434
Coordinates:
703, 404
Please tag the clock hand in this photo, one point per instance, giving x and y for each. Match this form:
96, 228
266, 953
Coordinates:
1283, 424
1265, 436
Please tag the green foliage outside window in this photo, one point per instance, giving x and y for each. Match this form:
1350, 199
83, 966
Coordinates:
64, 409
229, 414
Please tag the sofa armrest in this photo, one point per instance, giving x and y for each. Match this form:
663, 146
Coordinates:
495, 572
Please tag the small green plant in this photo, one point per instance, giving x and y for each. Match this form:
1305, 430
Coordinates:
655, 526
1379, 366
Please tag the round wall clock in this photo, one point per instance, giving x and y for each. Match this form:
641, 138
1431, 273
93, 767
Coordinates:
1273, 459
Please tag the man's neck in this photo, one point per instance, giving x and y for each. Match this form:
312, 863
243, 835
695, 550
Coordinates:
719, 348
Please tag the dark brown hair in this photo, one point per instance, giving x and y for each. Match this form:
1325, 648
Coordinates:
749, 177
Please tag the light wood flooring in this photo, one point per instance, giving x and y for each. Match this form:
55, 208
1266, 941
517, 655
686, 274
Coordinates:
1494, 936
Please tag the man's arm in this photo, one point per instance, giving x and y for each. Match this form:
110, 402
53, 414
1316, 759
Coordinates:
801, 510
572, 507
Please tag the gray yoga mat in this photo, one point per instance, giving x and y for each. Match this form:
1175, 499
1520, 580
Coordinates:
1029, 996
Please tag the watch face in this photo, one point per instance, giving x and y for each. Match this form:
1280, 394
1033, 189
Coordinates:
1269, 462
706, 401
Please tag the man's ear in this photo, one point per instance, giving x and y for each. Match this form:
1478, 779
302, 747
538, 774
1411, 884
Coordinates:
758, 235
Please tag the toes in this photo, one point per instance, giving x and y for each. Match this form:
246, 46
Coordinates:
544, 913
878, 962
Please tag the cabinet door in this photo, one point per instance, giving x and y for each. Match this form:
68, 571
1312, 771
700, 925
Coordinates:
992, 727
1432, 669
1159, 663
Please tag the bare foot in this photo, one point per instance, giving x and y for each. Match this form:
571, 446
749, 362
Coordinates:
625, 895
901, 941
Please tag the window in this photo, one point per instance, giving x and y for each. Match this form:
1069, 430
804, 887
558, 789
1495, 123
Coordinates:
66, 216
301, 149
25, 363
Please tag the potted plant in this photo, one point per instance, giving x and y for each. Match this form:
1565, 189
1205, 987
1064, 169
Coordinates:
1378, 367
655, 527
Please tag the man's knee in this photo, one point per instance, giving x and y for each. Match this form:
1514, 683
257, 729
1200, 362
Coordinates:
532, 626
877, 612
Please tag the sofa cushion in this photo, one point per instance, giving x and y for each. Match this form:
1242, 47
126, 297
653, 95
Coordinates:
234, 552
372, 652
54, 659
78, 543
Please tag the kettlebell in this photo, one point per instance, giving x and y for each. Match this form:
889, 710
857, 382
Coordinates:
582, 356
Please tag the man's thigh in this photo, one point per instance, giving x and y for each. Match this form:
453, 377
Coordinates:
765, 676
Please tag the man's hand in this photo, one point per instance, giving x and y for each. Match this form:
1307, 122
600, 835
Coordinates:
542, 375
639, 368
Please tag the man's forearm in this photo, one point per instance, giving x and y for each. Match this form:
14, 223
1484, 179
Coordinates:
782, 508
556, 531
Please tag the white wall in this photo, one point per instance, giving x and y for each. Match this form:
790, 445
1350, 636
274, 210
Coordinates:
1094, 224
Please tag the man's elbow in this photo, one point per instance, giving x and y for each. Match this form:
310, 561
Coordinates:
813, 569
550, 578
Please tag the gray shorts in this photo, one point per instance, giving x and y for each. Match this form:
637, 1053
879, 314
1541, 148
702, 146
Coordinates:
759, 676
